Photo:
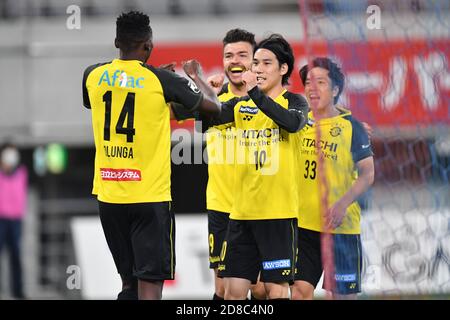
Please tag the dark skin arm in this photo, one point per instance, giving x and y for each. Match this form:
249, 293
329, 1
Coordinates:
209, 105
170, 67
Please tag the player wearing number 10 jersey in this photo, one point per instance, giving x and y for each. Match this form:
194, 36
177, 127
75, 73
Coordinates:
261, 235
131, 125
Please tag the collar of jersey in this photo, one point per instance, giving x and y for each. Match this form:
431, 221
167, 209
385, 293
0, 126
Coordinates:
281, 94
343, 113
120, 61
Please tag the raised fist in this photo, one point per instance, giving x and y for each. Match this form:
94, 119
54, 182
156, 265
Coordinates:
192, 69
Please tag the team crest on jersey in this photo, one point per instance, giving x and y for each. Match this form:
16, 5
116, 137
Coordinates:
248, 112
335, 131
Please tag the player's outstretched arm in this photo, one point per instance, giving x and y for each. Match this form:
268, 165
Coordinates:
209, 105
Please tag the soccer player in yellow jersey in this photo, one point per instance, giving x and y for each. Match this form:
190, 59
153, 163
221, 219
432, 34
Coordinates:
262, 233
348, 167
131, 125
238, 46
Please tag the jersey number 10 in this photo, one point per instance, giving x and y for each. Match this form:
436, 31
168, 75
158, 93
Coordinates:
127, 112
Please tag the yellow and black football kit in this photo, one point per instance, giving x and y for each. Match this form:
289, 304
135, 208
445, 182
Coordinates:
131, 126
220, 146
265, 158
343, 143
265, 193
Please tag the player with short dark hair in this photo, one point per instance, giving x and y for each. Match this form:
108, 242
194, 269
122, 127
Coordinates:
131, 125
261, 235
348, 169
238, 47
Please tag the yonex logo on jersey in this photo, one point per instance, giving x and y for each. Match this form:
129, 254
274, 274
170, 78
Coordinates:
276, 264
250, 110
121, 79
345, 277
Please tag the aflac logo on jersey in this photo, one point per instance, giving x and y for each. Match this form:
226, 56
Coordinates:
123, 80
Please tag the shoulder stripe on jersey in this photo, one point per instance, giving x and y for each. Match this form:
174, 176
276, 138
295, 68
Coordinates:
224, 89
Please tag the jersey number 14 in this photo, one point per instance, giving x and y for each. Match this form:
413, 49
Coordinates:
126, 113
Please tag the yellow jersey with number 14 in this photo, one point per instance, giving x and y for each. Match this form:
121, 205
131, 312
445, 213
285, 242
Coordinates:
131, 126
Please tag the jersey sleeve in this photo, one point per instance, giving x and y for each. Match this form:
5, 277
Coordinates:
291, 119
181, 113
361, 147
179, 89
87, 71
226, 117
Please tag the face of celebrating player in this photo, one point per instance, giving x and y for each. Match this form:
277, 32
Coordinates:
319, 90
237, 58
269, 73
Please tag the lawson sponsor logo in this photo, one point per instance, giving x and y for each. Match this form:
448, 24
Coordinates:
345, 277
276, 264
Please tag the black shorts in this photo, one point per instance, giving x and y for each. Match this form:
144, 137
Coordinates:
347, 260
254, 246
141, 237
217, 229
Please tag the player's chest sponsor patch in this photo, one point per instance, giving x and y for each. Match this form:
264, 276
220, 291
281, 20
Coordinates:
248, 112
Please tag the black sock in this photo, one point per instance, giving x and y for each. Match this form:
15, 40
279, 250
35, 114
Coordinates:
216, 297
129, 290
